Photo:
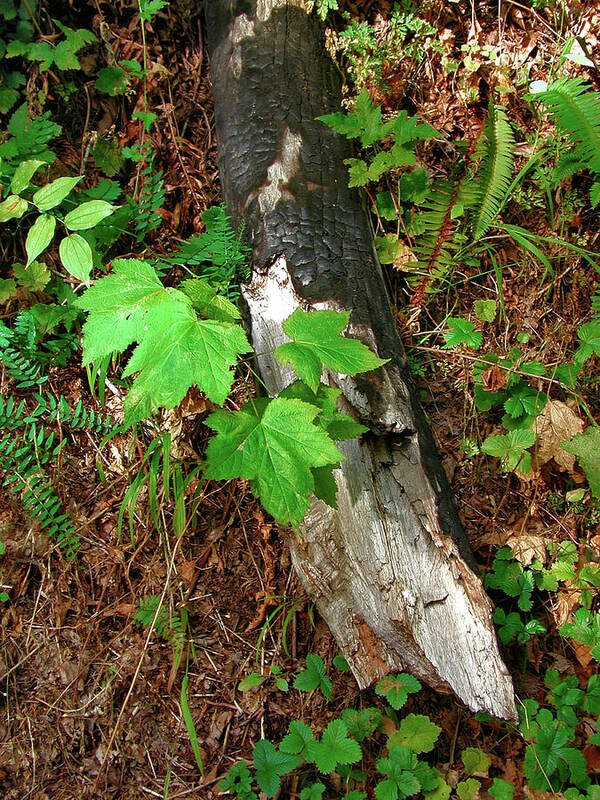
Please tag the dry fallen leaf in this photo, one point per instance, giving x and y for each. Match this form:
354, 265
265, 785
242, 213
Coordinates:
556, 424
527, 546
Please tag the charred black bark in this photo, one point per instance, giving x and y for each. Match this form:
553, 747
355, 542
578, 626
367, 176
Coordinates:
283, 175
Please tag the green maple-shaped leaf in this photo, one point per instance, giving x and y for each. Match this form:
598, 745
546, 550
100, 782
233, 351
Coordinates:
34, 277
462, 331
396, 688
466, 790
335, 747
297, 739
362, 723
313, 677
175, 349
416, 732
316, 342
586, 446
275, 444
338, 426
270, 764
208, 303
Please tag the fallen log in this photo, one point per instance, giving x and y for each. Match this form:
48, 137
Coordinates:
391, 570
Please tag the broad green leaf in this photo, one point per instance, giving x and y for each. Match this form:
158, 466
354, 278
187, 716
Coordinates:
510, 448
389, 248
325, 485
88, 214
462, 331
475, 761
315, 790
273, 443
485, 310
441, 792
466, 790
396, 688
76, 256
33, 277
180, 351
270, 764
24, 173
313, 676
39, 237
585, 627
586, 446
589, 336
297, 739
416, 732
54, 193
501, 789
112, 81
237, 780
8, 289
592, 695
250, 682
207, 302
335, 747
316, 341
363, 122
338, 426
358, 172
12, 208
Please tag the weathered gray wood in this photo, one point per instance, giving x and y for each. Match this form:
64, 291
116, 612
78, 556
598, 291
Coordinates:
390, 570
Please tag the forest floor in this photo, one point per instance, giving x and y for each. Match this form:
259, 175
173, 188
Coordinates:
91, 701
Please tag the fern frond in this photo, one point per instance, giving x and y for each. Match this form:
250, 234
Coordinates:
576, 111
496, 169
169, 627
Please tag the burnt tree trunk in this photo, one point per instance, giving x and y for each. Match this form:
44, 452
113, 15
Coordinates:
390, 571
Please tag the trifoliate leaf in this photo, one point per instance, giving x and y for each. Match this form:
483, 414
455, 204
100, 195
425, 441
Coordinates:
237, 780
270, 764
466, 790
462, 331
76, 256
315, 790
39, 236
207, 302
24, 173
485, 310
34, 277
13, 208
510, 448
273, 443
396, 688
501, 789
335, 747
475, 761
585, 627
297, 739
417, 732
88, 214
428, 777
362, 723
586, 446
316, 342
54, 193
314, 677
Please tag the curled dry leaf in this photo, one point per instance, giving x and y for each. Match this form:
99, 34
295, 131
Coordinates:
557, 423
527, 546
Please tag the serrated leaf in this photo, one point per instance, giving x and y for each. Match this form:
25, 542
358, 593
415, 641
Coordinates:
416, 732
589, 337
112, 81
592, 695
335, 747
315, 790
363, 122
54, 193
338, 426
485, 310
39, 237
475, 760
76, 256
297, 739
12, 208
207, 302
586, 446
468, 789
8, 288
317, 342
361, 723
88, 214
273, 443
269, 765
501, 789
441, 792
24, 173
462, 331
33, 277
396, 688
313, 676
250, 682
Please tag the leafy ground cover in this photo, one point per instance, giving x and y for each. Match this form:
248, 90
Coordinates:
155, 642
